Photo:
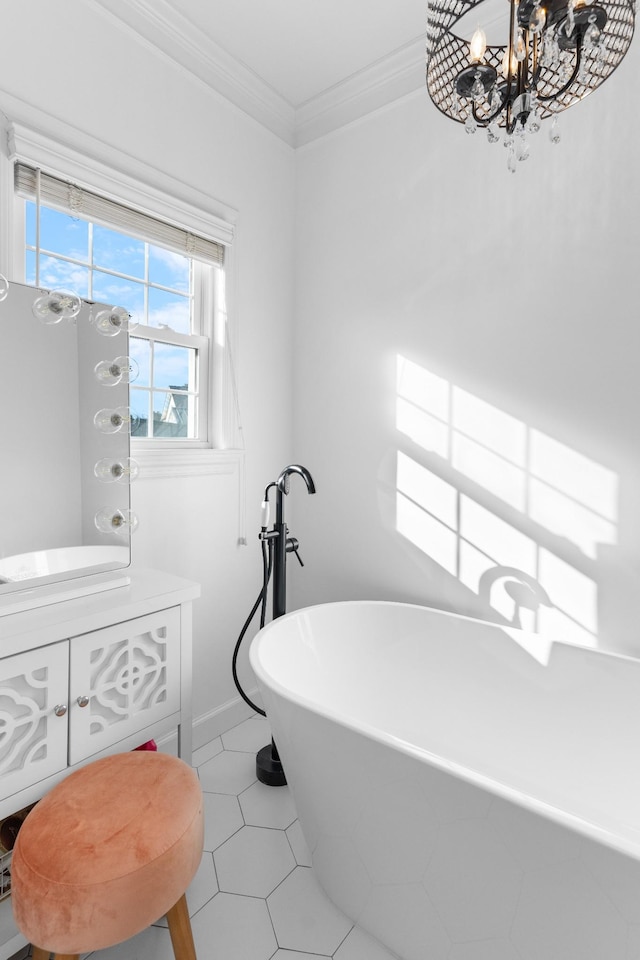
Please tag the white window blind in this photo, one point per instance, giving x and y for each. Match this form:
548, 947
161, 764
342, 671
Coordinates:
84, 204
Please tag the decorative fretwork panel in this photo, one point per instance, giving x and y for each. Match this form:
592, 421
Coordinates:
123, 679
33, 740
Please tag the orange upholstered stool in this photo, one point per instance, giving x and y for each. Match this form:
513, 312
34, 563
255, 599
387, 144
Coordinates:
107, 852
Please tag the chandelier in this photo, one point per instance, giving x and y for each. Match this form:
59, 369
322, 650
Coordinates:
553, 54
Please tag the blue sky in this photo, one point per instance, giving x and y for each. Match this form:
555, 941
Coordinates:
103, 250
112, 251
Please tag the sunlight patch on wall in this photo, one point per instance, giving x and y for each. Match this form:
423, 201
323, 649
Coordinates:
525, 583
562, 491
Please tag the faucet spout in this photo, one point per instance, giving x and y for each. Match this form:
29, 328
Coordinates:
283, 482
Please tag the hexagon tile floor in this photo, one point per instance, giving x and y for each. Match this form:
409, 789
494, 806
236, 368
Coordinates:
254, 896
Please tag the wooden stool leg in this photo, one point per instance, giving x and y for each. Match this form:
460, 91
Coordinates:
180, 930
40, 954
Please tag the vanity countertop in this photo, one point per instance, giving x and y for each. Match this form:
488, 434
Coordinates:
55, 621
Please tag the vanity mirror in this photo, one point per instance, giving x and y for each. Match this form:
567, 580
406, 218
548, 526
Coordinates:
65, 508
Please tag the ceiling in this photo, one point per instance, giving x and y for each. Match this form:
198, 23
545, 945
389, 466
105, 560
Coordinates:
301, 67
300, 48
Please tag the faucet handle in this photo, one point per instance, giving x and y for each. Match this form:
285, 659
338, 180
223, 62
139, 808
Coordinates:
293, 547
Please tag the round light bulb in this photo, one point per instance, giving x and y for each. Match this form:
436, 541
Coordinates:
116, 471
121, 522
53, 307
129, 367
120, 370
113, 420
110, 322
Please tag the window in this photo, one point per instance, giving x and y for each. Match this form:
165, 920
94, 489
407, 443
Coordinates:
165, 277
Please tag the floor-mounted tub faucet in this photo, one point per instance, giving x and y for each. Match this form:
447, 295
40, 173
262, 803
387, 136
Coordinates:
268, 766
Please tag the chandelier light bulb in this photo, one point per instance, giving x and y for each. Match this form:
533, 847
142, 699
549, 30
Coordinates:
506, 64
478, 46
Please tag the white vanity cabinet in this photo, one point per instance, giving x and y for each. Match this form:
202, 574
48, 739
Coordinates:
33, 742
87, 677
122, 679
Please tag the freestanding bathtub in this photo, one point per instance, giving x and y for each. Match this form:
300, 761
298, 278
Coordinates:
467, 793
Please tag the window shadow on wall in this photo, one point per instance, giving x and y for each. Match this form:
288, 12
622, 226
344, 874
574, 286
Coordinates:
513, 514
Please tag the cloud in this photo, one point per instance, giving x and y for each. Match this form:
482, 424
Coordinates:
175, 315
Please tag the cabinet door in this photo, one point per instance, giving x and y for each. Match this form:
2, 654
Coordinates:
33, 739
127, 676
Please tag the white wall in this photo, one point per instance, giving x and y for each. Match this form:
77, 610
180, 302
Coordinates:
86, 71
520, 290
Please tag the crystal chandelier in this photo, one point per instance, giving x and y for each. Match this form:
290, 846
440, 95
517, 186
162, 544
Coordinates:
556, 52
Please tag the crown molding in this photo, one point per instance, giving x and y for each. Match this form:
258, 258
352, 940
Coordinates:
157, 23
375, 86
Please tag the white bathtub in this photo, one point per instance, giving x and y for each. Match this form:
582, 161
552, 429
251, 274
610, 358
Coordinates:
462, 800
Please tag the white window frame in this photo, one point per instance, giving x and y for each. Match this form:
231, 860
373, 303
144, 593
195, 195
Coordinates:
134, 184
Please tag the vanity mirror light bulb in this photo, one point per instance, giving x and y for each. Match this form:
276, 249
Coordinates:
129, 368
116, 471
110, 322
121, 522
114, 420
120, 370
53, 307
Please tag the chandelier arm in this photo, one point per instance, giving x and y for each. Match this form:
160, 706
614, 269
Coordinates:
485, 121
574, 74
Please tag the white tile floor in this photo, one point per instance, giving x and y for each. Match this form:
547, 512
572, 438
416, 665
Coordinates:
254, 896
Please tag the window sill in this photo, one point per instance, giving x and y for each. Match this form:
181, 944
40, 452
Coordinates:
160, 462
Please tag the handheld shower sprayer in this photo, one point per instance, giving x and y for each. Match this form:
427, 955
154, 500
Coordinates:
276, 544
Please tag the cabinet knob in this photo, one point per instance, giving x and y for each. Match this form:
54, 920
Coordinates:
60, 709
82, 701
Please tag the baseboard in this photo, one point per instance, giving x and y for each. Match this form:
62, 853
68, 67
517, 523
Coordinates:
210, 725
215, 722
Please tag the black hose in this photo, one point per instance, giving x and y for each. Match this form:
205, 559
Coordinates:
266, 576
261, 599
